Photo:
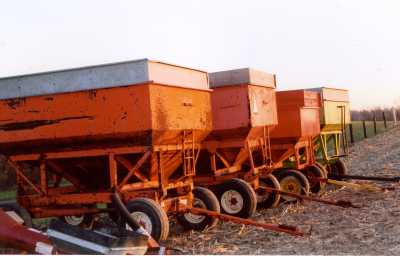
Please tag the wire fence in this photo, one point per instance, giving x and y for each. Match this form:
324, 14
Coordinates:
360, 130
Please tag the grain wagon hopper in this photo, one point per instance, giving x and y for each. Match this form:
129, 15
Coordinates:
292, 142
332, 144
236, 153
76, 135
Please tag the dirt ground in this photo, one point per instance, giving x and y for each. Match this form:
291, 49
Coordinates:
373, 229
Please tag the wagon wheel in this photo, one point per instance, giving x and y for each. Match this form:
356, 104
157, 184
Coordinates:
150, 216
293, 181
84, 220
323, 167
337, 168
269, 199
313, 173
237, 198
203, 198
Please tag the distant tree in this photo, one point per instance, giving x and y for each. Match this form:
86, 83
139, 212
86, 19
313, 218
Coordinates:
377, 112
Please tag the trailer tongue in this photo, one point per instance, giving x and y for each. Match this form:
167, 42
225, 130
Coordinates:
291, 230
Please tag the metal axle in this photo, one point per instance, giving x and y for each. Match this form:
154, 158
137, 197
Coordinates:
294, 231
341, 203
360, 177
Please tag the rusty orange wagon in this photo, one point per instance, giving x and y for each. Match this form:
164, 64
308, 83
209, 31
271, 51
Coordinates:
292, 149
236, 155
76, 135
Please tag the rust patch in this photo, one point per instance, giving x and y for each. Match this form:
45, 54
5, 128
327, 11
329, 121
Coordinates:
14, 103
92, 94
37, 123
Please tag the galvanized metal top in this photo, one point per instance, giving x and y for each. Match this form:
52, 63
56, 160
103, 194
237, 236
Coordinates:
332, 94
242, 76
102, 76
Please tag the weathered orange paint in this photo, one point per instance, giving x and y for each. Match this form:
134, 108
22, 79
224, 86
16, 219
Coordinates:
298, 114
239, 110
298, 123
144, 114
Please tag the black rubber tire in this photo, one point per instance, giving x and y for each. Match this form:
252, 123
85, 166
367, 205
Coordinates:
337, 168
207, 200
246, 192
323, 167
273, 198
313, 172
22, 212
301, 178
157, 216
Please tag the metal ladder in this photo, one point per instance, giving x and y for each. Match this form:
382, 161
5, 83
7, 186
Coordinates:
266, 147
188, 153
343, 125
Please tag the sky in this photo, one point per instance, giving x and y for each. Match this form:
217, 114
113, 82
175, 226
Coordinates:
309, 43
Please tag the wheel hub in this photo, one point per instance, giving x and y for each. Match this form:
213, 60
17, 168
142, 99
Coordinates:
290, 184
143, 219
74, 220
232, 201
194, 218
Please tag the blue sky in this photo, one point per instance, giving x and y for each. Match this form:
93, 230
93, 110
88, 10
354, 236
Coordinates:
347, 44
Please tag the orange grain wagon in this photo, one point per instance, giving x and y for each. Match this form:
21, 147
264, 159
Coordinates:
74, 136
236, 153
292, 141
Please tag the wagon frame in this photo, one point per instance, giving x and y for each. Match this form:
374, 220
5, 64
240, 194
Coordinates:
156, 185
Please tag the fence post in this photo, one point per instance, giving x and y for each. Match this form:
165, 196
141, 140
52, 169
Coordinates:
384, 119
365, 129
375, 124
351, 133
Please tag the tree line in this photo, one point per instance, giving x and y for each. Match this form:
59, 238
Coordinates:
377, 113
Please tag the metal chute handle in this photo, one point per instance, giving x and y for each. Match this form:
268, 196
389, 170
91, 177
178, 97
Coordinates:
120, 206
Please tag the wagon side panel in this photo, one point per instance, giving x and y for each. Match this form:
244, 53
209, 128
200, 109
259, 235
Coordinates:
177, 109
263, 106
80, 115
229, 102
310, 122
289, 126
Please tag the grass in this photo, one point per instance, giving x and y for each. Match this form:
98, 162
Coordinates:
8, 195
